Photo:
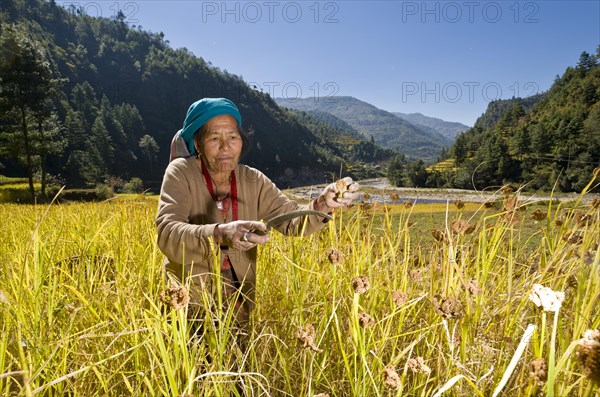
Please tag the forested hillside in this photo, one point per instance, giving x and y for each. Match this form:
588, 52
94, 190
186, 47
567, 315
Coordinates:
337, 139
548, 140
496, 109
103, 100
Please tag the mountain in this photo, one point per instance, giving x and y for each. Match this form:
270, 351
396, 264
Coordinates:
546, 142
386, 129
449, 129
125, 93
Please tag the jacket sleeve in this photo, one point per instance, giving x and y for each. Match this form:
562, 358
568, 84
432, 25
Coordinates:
179, 240
273, 202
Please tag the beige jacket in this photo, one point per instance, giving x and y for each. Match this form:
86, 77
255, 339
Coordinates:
187, 216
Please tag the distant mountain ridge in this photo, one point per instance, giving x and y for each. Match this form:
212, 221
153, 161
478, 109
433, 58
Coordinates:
386, 128
450, 129
335, 123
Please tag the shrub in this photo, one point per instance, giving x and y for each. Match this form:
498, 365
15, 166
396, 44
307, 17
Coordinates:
114, 182
135, 185
80, 195
15, 194
104, 192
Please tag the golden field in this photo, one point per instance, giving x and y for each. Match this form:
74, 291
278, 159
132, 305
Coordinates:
387, 300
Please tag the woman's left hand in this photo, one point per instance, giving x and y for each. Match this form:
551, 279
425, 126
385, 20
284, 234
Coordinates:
337, 194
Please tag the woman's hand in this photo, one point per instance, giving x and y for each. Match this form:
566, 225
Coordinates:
238, 234
337, 194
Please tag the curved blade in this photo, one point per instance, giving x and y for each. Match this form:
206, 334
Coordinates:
279, 219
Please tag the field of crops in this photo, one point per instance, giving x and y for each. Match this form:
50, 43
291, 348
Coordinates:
396, 300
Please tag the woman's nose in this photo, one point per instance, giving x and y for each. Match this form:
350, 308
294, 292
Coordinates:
224, 143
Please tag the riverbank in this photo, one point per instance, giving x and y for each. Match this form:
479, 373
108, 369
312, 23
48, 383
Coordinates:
379, 190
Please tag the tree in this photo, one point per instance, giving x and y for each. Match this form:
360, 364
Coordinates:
588, 96
150, 149
83, 98
586, 62
396, 169
540, 140
101, 152
460, 149
520, 142
27, 92
416, 174
50, 141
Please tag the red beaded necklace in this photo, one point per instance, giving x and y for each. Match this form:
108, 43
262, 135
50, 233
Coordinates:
232, 191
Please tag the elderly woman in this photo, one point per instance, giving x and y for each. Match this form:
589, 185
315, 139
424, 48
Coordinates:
212, 205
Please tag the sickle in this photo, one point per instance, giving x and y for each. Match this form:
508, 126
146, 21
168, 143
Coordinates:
279, 219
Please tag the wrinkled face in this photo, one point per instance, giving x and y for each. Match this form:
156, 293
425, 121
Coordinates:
220, 144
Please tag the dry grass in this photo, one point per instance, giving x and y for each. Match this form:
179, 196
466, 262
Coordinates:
373, 305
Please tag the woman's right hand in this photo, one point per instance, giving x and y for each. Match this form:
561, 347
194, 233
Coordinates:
238, 234
334, 197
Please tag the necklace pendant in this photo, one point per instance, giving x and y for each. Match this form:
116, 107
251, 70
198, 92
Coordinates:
219, 204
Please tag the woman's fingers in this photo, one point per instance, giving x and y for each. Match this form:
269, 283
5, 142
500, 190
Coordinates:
248, 239
253, 225
244, 226
348, 196
257, 239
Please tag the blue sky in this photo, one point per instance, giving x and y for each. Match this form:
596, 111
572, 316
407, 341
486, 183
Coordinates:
444, 59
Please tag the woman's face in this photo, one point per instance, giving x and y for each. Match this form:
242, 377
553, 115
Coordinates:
221, 144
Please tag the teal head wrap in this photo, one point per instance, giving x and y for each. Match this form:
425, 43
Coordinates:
200, 112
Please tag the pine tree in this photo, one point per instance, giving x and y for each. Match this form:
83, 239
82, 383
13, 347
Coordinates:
460, 149
520, 142
150, 150
540, 140
586, 62
396, 169
100, 152
27, 92
49, 141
